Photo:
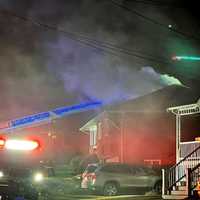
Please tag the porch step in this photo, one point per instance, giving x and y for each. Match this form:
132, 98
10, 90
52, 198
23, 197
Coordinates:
183, 183
179, 192
181, 188
174, 196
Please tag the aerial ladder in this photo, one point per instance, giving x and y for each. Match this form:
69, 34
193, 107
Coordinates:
46, 117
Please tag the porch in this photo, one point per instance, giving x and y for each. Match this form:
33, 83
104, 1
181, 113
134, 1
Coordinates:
180, 180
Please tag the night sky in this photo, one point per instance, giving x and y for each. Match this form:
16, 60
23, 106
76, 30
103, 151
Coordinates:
57, 52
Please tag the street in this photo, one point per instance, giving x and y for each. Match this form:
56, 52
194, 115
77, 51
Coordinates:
68, 189
120, 197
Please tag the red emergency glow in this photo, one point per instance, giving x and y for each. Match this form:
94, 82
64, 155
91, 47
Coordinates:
26, 145
2, 143
4, 125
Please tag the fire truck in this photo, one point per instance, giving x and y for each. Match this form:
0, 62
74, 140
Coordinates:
19, 175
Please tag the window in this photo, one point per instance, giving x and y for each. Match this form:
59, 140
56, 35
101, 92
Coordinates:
124, 169
108, 168
91, 168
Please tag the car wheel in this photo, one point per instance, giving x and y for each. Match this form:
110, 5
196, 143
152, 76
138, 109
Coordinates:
158, 187
110, 189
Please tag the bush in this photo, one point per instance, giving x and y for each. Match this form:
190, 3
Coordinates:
75, 164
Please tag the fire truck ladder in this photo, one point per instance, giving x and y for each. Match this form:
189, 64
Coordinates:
46, 117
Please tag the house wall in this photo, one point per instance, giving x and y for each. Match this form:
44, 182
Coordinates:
141, 137
108, 140
149, 137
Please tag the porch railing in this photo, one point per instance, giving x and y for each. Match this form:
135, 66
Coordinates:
194, 178
177, 173
186, 147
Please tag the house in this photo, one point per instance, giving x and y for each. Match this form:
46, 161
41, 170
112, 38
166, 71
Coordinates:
139, 131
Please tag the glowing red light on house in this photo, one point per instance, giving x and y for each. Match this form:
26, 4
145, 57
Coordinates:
4, 125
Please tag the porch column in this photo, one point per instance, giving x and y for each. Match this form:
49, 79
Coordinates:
178, 137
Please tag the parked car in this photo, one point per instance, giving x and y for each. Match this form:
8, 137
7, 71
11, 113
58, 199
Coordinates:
19, 183
110, 178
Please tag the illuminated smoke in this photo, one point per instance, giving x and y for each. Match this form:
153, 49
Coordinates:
41, 68
164, 79
99, 76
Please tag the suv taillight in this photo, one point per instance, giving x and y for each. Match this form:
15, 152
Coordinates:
83, 175
92, 177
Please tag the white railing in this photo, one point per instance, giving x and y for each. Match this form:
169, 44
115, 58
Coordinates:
177, 173
186, 147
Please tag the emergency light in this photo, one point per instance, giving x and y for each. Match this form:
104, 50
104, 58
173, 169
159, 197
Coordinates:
38, 177
2, 143
14, 144
1, 174
26, 145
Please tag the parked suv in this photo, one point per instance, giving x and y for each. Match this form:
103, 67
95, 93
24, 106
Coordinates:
110, 178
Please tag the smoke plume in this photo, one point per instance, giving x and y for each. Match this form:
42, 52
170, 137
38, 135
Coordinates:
42, 69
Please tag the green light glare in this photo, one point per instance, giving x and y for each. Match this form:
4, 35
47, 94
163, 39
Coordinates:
170, 80
195, 58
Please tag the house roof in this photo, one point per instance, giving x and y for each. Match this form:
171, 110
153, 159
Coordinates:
158, 101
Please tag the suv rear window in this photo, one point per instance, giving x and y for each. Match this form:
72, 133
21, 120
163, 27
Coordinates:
22, 173
124, 169
141, 170
91, 168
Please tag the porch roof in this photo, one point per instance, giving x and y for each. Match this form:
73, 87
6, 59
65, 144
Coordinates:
91, 123
185, 109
